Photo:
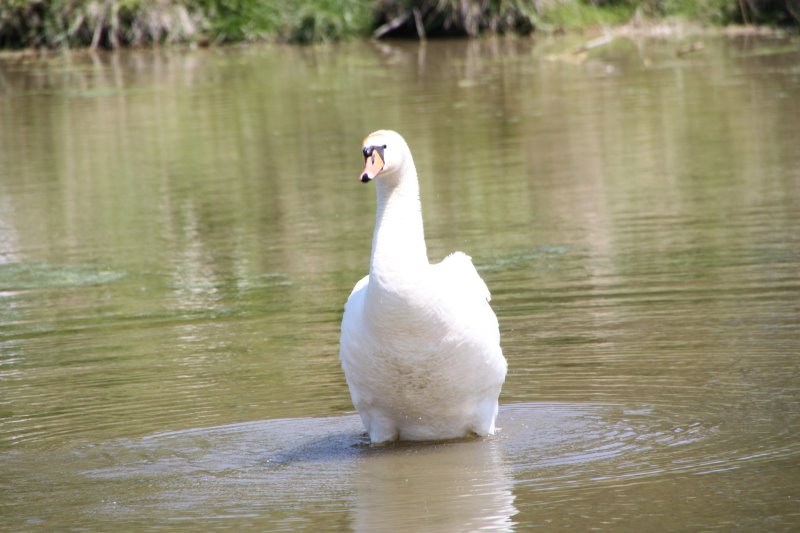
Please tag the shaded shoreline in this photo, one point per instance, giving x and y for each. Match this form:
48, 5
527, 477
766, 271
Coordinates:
587, 40
112, 24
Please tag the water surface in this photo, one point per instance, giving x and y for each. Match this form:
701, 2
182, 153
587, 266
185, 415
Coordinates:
179, 231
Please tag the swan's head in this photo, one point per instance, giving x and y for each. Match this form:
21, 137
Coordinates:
385, 153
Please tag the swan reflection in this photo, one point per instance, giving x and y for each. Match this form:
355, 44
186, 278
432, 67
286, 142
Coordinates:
459, 486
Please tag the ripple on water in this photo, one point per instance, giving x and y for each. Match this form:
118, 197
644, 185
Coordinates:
37, 275
322, 469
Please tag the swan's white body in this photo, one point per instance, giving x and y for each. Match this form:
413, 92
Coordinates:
420, 345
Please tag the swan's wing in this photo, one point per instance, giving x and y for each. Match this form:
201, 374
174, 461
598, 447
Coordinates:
359, 286
458, 267
354, 312
468, 314
464, 299
351, 341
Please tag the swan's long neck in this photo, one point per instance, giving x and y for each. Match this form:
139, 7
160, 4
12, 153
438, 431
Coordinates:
398, 244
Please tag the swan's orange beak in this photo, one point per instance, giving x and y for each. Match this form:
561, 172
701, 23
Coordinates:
373, 162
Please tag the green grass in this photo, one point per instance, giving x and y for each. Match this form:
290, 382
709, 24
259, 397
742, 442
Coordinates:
108, 23
114, 23
299, 21
579, 15
704, 11
719, 12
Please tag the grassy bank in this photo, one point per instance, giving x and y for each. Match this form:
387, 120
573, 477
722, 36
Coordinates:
115, 23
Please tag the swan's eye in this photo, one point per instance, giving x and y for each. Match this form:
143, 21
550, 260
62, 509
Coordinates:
369, 151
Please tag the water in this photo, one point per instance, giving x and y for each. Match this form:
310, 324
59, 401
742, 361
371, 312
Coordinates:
179, 231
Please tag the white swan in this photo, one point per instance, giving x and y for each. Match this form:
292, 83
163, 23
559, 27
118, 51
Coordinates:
420, 345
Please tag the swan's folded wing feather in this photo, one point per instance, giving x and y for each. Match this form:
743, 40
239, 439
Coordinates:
458, 266
469, 313
351, 342
360, 285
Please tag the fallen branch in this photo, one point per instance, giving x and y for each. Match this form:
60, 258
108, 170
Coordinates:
594, 43
393, 24
418, 23
98, 27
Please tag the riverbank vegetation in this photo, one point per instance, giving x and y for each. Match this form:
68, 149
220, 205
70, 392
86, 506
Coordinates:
116, 23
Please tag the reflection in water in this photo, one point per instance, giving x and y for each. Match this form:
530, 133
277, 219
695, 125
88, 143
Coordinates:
269, 472
275, 474
462, 486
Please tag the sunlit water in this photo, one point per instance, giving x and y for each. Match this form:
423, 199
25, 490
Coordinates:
179, 231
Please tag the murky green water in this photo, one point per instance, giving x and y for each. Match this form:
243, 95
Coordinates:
179, 231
